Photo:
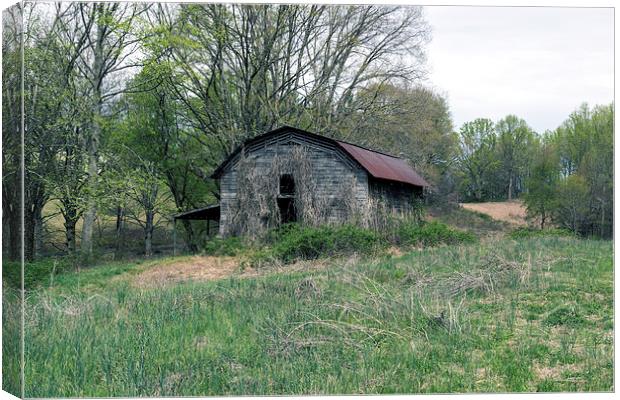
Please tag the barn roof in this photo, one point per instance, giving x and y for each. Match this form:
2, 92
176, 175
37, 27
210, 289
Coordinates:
383, 166
378, 165
209, 212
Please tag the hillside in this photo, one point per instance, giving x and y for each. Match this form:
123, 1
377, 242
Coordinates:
503, 316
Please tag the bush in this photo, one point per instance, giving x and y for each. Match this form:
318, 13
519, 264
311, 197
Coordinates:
432, 234
230, 246
295, 242
35, 273
525, 233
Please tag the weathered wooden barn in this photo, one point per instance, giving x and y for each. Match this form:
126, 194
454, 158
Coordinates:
343, 175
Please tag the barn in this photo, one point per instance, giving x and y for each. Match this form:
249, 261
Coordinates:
289, 174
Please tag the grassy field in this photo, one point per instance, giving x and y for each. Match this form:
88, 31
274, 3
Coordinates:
502, 316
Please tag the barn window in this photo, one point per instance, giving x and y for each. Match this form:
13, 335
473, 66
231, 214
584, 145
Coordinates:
287, 185
286, 201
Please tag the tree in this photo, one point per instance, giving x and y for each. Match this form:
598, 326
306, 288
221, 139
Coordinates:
155, 127
542, 184
110, 41
242, 69
582, 185
515, 139
43, 102
571, 208
12, 128
413, 123
477, 160
139, 182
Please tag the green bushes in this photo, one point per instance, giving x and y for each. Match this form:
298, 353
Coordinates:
432, 234
295, 242
525, 233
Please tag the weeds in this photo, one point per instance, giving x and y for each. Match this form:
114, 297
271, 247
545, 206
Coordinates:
514, 315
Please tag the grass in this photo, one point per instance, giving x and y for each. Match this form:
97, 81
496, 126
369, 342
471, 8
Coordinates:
528, 314
528, 232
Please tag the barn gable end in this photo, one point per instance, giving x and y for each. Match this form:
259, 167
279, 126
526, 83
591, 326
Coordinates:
332, 169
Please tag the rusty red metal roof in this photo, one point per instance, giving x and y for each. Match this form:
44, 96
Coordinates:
383, 166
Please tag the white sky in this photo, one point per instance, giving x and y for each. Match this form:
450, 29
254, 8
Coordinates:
538, 63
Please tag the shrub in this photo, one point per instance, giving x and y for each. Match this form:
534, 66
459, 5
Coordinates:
295, 242
524, 233
432, 234
230, 246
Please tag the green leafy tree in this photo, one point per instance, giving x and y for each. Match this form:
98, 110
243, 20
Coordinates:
477, 161
582, 150
515, 144
571, 208
542, 184
156, 129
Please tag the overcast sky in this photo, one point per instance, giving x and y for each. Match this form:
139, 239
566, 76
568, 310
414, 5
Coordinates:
538, 63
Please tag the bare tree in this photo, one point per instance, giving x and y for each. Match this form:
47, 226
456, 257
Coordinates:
242, 69
111, 41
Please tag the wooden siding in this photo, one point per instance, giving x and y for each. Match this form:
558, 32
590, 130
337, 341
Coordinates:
397, 196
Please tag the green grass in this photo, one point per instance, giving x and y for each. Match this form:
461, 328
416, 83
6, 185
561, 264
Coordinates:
528, 232
514, 315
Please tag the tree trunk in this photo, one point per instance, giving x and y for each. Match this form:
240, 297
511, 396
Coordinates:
29, 233
5, 229
38, 233
86, 246
148, 234
510, 183
15, 243
95, 136
70, 235
602, 219
71, 219
120, 223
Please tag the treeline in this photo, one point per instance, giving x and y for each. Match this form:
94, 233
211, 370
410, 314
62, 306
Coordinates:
565, 176
130, 106
571, 179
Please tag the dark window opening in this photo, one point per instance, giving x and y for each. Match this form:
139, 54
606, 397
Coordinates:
287, 185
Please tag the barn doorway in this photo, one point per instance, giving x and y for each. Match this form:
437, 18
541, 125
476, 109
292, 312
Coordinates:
286, 199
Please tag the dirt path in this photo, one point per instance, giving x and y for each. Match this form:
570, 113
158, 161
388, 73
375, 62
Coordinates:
195, 268
508, 211
208, 268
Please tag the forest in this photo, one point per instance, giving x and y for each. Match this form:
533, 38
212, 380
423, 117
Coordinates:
128, 108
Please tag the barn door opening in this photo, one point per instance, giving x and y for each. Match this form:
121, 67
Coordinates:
286, 199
